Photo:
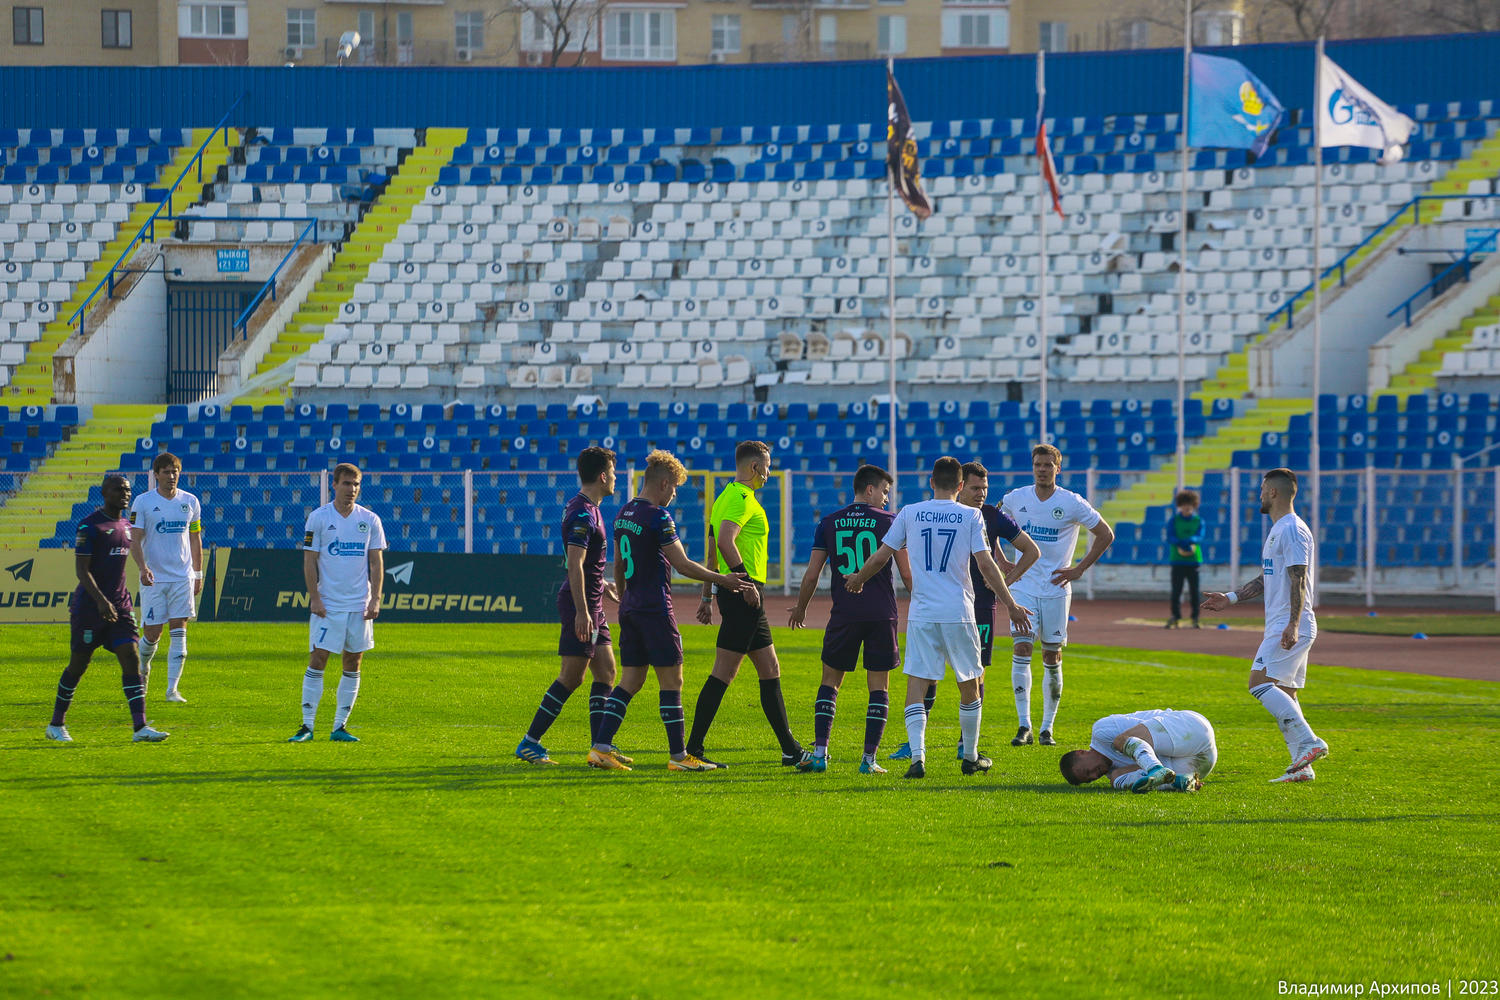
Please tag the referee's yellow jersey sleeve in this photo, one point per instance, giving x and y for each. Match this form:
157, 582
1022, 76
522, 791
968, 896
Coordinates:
731, 506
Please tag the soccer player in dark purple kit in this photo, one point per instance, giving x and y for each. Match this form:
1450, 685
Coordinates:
584, 642
998, 527
101, 611
868, 619
647, 549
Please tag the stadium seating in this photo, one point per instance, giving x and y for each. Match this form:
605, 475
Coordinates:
258, 472
63, 195
700, 258
281, 174
28, 435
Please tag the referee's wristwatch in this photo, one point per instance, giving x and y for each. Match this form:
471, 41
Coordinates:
706, 599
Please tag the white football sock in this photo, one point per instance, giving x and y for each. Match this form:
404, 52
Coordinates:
916, 730
1143, 753
1288, 715
1051, 693
348, 692
147, 649
312, 693
176, 654
1020, 680
968, 725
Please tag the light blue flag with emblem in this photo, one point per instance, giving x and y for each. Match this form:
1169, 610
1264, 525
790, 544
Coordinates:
1228, 108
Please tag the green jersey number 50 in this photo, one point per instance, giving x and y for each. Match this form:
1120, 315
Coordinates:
855, 548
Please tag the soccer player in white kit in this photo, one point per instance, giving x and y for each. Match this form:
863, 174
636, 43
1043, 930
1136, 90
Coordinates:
166, 541
1144, 751
1280, 668
343, 565
941, 534
1052, 516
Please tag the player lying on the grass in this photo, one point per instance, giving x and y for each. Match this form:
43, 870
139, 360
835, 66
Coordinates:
100, 611
1142, 751
166, 541
1052, 516
998, 527
867, 619
343, 567
739, 530
583, 642
940, 622
647, 549
1288, 567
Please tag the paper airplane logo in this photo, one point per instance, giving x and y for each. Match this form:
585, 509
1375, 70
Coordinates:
402, 573
21, 570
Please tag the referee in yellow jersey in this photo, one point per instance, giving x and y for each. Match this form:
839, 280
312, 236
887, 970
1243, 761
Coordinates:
740, 530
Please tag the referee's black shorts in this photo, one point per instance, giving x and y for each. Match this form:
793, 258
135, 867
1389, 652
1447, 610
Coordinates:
742, 629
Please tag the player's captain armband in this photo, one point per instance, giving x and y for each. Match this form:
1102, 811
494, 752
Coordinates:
193, 526
307, 540
132, 518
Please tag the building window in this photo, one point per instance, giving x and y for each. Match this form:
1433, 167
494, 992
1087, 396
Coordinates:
828, 33
641, 36
115, 29
1054, 36
1212, 27
301, 27
539, 35
210, 20
27, 24
1134, 35
468, 30
976, 30
726, 33
892, 32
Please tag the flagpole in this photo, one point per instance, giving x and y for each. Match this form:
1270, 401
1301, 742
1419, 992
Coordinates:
890, 279
1182, 245
1041, 90
1317, 351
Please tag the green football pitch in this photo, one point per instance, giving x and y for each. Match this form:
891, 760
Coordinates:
427, 861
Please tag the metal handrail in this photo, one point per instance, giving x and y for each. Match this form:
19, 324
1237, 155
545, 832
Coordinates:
1466, 262
1341, 265
150, 224
270, 283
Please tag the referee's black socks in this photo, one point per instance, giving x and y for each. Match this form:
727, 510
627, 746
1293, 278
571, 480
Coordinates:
704, 712
774, 706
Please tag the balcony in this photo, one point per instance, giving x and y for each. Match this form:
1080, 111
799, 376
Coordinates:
808, 51
380, 52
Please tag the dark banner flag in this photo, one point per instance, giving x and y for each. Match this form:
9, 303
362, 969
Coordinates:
901, 151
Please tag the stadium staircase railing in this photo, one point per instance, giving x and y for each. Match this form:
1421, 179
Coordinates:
393, 207
1244, 431
30, 517
32, 380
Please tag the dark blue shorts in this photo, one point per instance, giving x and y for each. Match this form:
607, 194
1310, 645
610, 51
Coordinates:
92, 632
842, 642
567, 642
984, 617
649, 639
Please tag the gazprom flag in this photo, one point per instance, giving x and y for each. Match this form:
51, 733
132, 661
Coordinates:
1349, 115
1228, 108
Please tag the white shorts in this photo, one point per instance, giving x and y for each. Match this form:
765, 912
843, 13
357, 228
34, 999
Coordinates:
1184, 741
1287, 667
1049, 618
929, 645
342, 632
164, 601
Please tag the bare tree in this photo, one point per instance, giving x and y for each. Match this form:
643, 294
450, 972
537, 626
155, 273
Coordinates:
1463, 15
570, 28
